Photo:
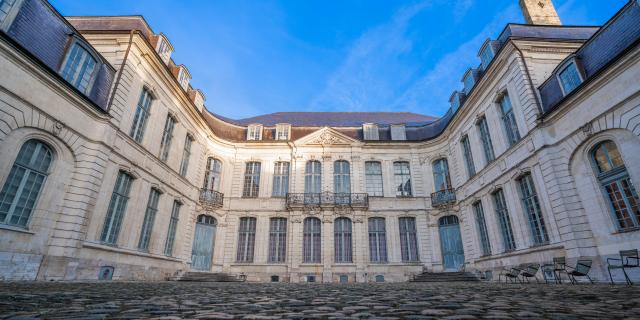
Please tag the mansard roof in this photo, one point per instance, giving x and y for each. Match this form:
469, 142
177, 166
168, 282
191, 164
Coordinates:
334, 119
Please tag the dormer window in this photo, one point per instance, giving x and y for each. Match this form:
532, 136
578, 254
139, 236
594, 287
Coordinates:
569, 77
164, 48
254, 132
456, 100
184, 77
487, 52
79, 67
469, 80
398, 132
5, 9
283, 131
370, 131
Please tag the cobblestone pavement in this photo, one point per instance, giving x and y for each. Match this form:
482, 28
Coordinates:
171, 300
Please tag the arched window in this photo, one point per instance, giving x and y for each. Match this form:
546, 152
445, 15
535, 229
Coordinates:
342, 240
373, 178
617, 185
312, 177
311, 241
377, 240
402, 176
24, 183
342, 181
205, 219
441, 178
212, 175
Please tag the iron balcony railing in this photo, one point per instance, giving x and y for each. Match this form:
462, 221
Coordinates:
327, 199
443, 197
211, 199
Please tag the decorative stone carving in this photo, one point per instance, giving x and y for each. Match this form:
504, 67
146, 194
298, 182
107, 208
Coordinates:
587, 129
327, 138
57, 128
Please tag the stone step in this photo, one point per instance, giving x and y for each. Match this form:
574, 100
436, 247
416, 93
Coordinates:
445, 277
207, 277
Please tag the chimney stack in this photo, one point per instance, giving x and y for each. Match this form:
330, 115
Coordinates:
540, 12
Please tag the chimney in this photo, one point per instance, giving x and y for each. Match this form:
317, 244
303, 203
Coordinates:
540, 12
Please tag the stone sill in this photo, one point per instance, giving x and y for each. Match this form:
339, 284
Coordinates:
512, 253
104, 247
16, 229
247, 264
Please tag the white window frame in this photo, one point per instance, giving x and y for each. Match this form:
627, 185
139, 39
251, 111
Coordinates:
283, 131
164, 48
91, 52
400, 131
254, 132
564, 66
184, 77
370, 131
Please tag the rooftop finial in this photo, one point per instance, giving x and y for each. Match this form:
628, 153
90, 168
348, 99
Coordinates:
541, 12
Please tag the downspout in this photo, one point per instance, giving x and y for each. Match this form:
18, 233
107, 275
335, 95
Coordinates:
124, 62
531, 86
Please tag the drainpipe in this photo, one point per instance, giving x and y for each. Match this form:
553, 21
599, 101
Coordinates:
124, 62
531, 86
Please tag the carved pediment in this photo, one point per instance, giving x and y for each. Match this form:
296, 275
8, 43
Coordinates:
326, 136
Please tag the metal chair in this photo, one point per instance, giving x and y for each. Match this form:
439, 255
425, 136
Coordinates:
581, 270
628, 260
530, 272
513, 274
558, 266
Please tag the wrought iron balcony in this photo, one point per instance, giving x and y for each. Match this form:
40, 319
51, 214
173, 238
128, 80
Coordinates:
443, 198
211, 199
327, 199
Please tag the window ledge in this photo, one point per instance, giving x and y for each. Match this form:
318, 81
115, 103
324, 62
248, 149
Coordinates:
625, 231
512, 253
105, 247
16, 229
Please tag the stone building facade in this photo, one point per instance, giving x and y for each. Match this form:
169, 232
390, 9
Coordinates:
112, 167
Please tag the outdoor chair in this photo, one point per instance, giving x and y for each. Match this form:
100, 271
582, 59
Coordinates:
628, 260
513, 274
558, 266
530, 272
581, 270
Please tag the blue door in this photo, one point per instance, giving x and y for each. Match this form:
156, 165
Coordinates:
203, 240
451, 243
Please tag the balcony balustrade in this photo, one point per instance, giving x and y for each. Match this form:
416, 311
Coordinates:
327, 199
443, 198
211, 199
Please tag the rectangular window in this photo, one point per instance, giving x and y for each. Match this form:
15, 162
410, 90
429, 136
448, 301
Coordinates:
173, 226
373, 178
509, 121
254, 132
469, 81
468, 156
342, 240
569, 78
504, 220
482, 228
167, 136
246, 239
141, 116
370, 131
402, 176
313, 177
251, 180
117, 209
79, 68
398, 132
486, 56
5, 7
312, 245
377, 240
280, 179
282, 131
485, 137
149, 219
277, 240
408, 239
186, 154
532, 208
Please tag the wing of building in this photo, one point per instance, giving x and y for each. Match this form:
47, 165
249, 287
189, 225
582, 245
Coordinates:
111, 166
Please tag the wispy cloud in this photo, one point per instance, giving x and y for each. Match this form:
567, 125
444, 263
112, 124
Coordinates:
431, 92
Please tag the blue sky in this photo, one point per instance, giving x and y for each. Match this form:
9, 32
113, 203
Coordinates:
262, 56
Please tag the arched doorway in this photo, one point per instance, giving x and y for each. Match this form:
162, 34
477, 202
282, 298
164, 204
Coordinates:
203, 242
451, 243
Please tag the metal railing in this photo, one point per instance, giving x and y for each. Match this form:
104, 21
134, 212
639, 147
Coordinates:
443, 197
327, 199
211, 199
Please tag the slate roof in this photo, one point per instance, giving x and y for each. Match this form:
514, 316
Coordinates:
334, 119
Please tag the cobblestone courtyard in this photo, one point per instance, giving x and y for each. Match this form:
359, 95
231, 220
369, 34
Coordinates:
171, 300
